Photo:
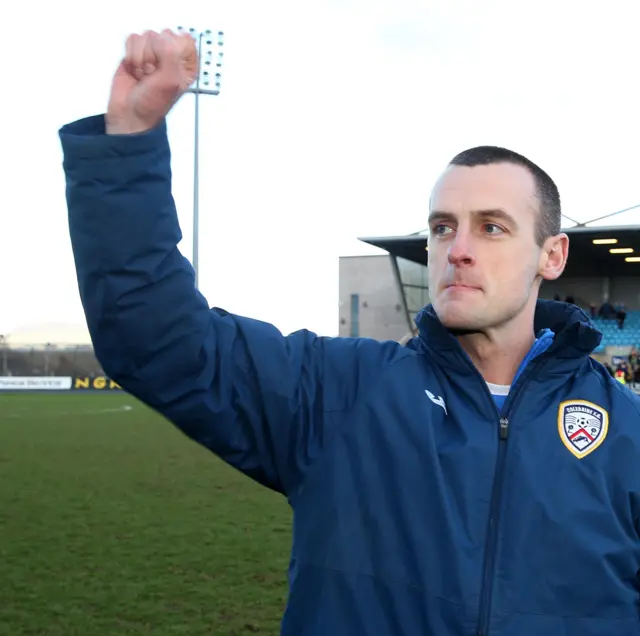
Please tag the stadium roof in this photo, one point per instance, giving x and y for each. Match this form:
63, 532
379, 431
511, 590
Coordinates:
589, 250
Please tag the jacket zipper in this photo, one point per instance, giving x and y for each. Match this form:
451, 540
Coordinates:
492, 534
486, 590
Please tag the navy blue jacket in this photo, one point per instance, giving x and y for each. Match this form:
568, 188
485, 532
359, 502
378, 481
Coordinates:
419, 509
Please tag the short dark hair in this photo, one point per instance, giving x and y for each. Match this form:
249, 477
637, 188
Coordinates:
550, 219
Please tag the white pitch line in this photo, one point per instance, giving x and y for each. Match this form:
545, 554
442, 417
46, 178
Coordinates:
26, 414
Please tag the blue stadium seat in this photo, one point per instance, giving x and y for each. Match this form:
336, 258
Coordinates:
613, 336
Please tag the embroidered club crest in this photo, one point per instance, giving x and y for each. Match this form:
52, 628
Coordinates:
582, 426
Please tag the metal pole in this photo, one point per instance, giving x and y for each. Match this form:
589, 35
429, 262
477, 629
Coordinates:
606, 216
205, 53
570, 219
403, 294
4, 345
196, 168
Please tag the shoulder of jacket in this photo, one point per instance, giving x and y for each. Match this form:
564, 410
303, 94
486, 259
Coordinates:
388, 352
629, 397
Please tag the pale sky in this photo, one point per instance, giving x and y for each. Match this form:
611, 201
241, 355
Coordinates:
335, 118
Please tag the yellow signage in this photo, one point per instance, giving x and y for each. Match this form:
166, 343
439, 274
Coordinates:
98, 383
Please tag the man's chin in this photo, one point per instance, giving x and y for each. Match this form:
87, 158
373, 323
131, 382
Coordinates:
459, 317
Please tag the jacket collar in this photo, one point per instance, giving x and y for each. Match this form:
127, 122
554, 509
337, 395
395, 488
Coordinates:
575, 335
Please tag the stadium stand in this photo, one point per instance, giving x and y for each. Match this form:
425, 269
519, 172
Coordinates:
50, 362
614, 336
47, 351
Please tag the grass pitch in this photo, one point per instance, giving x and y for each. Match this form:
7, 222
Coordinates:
113, 523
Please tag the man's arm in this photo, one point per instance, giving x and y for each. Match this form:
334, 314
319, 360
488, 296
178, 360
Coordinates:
237, 386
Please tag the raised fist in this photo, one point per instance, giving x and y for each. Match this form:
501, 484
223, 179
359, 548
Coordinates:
156, 71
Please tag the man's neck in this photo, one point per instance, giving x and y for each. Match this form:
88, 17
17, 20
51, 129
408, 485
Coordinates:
497, 355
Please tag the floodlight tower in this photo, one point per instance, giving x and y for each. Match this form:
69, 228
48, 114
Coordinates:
207, 82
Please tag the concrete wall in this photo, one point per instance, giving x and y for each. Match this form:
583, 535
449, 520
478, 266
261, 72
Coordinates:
584, 290
380, 309
626, 291
592, 290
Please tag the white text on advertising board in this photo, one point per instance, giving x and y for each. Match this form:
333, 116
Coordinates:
34, 384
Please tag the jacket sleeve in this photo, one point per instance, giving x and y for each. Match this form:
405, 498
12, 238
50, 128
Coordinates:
268, 405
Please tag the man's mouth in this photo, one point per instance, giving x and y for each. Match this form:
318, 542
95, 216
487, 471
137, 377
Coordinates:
462, 287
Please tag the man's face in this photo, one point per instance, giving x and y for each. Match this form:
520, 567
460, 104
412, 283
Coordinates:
483, 256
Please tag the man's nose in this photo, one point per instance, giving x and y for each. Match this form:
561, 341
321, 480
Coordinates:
460, 250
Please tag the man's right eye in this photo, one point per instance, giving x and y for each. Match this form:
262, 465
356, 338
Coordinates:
440, 230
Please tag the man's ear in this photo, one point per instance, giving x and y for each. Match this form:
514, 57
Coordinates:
553, 258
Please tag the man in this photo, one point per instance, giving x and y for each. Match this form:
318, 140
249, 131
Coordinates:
482, 480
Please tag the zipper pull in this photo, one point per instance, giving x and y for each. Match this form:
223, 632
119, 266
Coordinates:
504, 428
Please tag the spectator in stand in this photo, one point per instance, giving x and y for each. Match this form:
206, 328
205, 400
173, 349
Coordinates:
621, 316
607, 310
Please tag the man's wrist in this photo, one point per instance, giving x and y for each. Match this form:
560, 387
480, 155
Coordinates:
115, 126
